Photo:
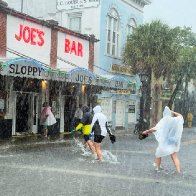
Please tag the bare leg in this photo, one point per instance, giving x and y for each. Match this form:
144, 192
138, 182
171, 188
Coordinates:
90, 144
176, 161
158, 162
85, 144
98, 150
45, 132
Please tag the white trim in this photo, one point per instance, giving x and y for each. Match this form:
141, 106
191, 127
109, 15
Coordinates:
113, 33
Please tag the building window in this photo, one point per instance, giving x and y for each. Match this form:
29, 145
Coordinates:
75, 22
113, 35
131, 26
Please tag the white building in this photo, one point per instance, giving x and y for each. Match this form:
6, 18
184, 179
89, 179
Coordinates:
110, 21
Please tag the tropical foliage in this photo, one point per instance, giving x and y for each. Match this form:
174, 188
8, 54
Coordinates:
159, 51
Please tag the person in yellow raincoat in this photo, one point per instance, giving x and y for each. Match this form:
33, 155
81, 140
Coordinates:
190, 119
85, 125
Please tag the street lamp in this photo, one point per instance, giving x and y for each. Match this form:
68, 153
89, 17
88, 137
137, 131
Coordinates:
142, 124
143, 79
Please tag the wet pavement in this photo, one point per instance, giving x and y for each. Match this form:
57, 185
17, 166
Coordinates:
31, 140
59, 166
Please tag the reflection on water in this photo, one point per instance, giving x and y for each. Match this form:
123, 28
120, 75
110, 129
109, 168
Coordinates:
107, 155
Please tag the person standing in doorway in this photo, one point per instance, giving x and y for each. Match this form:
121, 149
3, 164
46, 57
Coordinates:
190, 119
78, 115
47, 118
168, 133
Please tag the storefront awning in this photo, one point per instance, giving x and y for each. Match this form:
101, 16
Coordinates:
81, 75
115, 81
29, 68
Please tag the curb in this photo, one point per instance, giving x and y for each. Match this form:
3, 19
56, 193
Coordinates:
20, 146
31, 141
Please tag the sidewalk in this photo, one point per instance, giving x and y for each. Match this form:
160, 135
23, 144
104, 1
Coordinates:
32, 140
65, 139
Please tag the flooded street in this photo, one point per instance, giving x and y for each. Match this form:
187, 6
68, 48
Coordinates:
126, 169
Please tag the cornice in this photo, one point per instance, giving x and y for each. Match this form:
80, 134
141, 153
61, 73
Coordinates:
48, 23
138, 4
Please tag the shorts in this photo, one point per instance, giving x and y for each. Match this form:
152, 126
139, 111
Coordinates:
86, 138
98, 138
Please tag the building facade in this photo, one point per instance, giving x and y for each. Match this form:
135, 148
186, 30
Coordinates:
33, 70
110, 22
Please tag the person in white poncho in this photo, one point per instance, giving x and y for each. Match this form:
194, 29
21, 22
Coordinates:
168, 133
100, 128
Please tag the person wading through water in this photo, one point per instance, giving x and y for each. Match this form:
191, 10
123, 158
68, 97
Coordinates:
85, 126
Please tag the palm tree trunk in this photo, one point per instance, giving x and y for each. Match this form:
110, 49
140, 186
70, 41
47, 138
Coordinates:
178, 85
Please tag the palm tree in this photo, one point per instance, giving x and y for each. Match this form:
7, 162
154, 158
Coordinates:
154, 49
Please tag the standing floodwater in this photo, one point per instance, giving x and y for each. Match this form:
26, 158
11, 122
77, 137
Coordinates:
107, 155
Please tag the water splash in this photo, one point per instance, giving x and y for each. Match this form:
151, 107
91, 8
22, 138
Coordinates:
106, 155
109, 157
79, 145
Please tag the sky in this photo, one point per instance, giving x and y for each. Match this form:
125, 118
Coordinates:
172, 12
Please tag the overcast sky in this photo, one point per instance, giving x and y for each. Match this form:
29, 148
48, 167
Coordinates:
173, 12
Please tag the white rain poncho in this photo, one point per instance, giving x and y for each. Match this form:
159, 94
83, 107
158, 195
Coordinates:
168, 133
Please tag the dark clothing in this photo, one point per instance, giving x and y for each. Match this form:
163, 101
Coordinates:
87, 116
85, 109
86, 138
85, 123
98, 138
76, 122
96, 128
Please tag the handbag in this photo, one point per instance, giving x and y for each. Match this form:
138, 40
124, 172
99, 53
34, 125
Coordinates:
142, 136
112, 138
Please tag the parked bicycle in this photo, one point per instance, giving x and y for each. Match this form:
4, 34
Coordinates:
140, 126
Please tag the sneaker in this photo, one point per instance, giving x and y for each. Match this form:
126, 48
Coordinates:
157, 170
155, 165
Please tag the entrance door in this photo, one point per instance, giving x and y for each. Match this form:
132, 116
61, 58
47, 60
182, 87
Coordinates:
120, 113
22, 112
69, 110
26, 118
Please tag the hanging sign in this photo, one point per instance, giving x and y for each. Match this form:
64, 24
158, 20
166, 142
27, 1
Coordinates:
80, 75
76, 4
74, 50
121, 69
30, 69
29, 38
131, 109
119, 82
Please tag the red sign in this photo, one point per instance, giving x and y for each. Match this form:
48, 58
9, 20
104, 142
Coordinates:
73, 47
31, 35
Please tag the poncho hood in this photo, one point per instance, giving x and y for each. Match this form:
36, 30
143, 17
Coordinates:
97, 109
167, 112
85, 109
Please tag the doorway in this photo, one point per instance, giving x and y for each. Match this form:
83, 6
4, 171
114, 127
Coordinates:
22, 113
26, 114
120, 113
69, 110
